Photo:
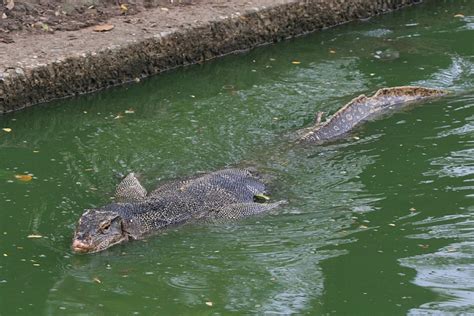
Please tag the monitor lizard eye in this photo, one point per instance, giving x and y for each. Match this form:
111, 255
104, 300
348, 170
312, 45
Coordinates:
104, 226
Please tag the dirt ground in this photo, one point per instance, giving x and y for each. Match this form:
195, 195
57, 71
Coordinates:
38, 32
48, 16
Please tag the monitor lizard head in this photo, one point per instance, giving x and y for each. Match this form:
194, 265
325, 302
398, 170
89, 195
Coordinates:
98, 230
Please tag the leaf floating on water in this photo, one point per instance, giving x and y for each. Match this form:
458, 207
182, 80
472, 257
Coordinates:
24, 177
103, 28
459, 15
296, 62
363, 227
423, 246
391, 224
412, 209
129, 111
6, 129
332, 51
118, 117
34, 236
97, 280
209, 303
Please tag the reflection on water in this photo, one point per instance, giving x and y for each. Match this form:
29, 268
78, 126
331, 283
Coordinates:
378, 223
449, 270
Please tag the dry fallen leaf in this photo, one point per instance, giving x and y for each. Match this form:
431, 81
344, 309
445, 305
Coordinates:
6, 129
123, 8
33, 236
24, 177
9, 4
164, 9
103, 28
296, 62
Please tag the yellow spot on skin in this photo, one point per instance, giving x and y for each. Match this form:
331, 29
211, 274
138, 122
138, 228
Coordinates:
262, 196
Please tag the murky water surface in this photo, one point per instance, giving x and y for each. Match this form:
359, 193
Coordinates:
381, 223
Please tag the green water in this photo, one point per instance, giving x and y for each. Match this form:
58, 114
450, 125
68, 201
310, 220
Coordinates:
380, 224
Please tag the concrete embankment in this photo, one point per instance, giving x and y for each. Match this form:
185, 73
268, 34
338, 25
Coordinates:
40, 68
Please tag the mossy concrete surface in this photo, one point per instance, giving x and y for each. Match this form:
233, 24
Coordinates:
36, 69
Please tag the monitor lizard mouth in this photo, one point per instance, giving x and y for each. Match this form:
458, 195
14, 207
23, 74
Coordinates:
80, 247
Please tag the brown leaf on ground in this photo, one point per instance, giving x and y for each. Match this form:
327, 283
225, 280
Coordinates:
9, 4
103, 28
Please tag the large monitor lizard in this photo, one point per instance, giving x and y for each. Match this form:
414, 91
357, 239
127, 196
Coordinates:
223, 194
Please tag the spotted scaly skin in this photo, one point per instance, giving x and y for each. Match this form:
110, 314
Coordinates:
362, 108
221, 195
